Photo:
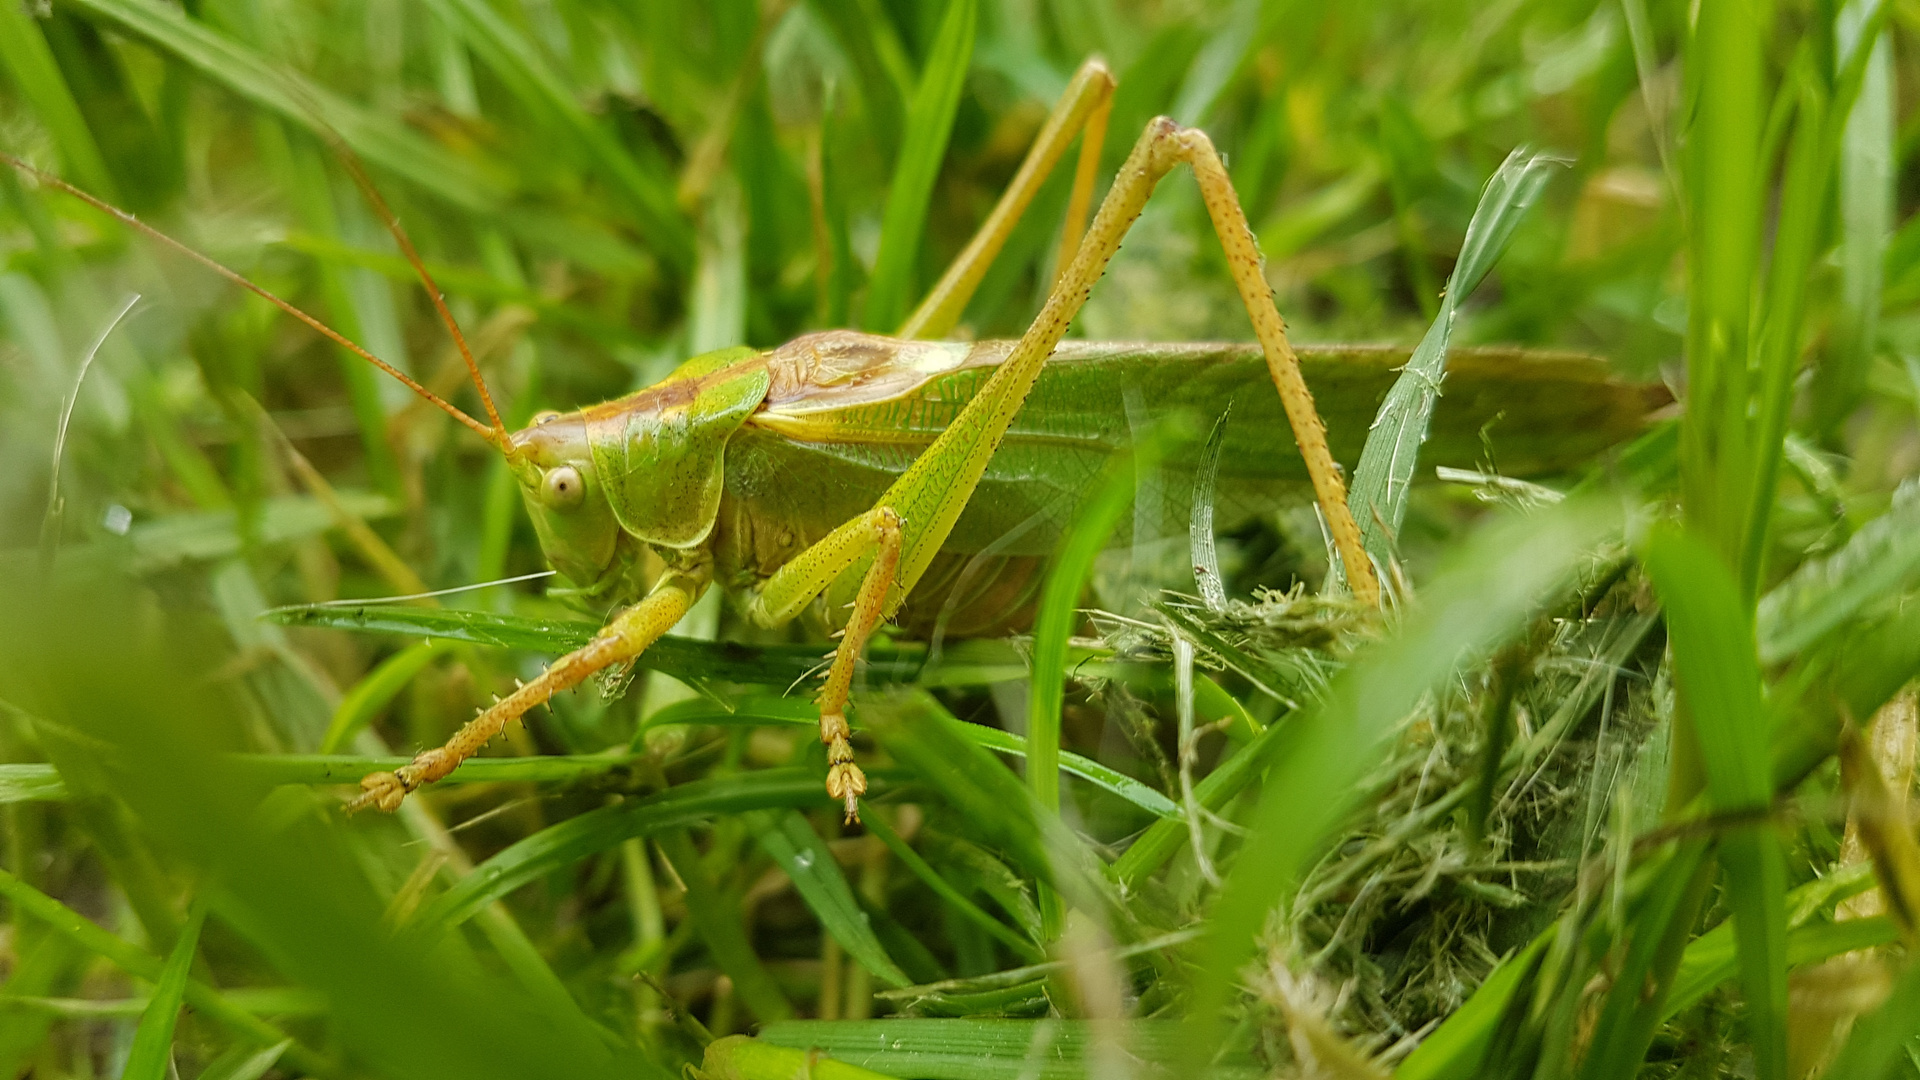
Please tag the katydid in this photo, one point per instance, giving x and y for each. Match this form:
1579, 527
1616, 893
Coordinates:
864, 472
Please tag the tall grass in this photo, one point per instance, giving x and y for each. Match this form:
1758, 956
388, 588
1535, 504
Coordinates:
1576, 804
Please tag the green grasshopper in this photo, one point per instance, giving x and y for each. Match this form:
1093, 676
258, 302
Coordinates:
867, 472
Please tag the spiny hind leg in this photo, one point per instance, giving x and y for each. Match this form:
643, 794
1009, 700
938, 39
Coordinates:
1243, 260
1081, 111
1163, 145
626, 636
951, 467
877, 534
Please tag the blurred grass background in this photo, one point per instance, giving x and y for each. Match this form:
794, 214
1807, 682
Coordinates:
603, 190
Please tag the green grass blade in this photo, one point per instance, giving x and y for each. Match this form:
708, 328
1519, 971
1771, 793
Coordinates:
1384, 479
1797, 234
349, 768
1879, 561
1879, 1037
791, 842
365, 314
994, 1049
996, 807
1656, 938
1869, 151
1492, 584
1066, 580
371, 694
1200, 539
30, 783
245, 1062
1457, 1047
1713, 957
801, 712
171, 539
738, 1057
515, 60
689, 660
1059, 613
922, 149
1160, 842
1723, 176
137, 961
577, 837
152, 1055
944, 889
381, 140
25, 56
881, 95
1719, 682
716, 917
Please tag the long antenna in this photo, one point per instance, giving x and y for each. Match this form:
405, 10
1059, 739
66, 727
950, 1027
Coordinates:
494, 435
392, 222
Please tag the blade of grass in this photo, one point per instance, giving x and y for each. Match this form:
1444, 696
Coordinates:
716, 918
381, 140
137, 961
790, 841
1712, 958
364, 314
737, 1057
1492, 584
1797, 236
923, 147
1724, 176
1656, 935
997, 808
1719, 684
371, 694
152, 1055
1059, 612
799, 712
646, 191
25, 56
689, 660
30, 783
1160, 842
45, 963
1868, 153
883, 97
1879, 1037
993, 1049
1200, 540
1457, 1047
1384, 478
1878, 561
1070, 568
245, 1063
571, 840
944, 889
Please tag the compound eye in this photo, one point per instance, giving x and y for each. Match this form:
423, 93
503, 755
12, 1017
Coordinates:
563, 488
545, 415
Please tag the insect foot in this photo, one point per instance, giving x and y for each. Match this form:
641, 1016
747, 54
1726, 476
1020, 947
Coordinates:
845, 781
383, 790
386, 790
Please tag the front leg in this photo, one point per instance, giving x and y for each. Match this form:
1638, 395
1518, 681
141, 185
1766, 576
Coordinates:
876, 534
626, 636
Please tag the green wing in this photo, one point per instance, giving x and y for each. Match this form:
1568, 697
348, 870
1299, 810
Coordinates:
811, 463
